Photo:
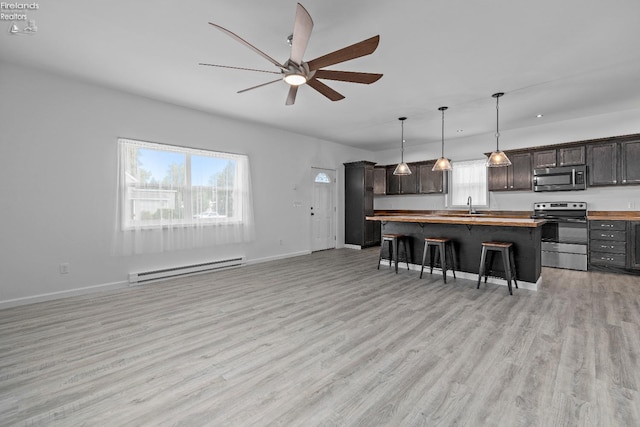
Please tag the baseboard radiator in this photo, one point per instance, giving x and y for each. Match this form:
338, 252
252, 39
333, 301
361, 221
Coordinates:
165, 273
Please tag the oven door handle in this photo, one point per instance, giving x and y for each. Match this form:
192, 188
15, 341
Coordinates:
577, 220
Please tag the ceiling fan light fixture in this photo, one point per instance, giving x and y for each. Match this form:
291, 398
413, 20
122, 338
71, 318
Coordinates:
442, 164
402, 168
295, 79
498, 158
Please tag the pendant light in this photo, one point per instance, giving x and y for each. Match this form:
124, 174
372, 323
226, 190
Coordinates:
497, 158
402, 168
442, 164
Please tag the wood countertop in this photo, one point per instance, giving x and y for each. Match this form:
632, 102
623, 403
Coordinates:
613, 215
482, 219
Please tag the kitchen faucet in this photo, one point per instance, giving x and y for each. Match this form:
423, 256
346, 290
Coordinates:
469, 202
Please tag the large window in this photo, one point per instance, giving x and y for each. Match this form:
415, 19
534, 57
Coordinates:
166, 187
468, 179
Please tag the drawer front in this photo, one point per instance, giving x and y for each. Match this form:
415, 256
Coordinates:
602, 258
619, 236
608, 225
608, 246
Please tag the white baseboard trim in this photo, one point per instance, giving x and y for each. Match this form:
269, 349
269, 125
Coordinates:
277, 257
353, 246
115, 285
468, 276
62, 294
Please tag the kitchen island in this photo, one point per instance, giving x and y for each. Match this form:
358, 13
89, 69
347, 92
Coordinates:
468, 231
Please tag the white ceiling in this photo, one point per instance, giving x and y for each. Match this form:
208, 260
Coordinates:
565, 59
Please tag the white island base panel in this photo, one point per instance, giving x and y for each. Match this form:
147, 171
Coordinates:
464, 275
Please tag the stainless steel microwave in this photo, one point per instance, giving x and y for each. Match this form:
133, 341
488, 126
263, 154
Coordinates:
560, 179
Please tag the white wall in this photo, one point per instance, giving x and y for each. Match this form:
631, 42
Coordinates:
58, 174
605, 198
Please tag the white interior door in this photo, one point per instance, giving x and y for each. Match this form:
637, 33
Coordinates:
323, 209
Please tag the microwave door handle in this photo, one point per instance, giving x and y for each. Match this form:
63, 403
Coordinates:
573, 177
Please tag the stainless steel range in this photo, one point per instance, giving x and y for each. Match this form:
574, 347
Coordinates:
565, 235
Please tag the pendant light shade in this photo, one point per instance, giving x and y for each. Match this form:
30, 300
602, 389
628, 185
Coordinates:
442, 164
402, 168
498, 158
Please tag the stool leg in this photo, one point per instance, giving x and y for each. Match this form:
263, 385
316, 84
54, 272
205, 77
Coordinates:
452, 250
425, 252
507, 269
481, 269
492, 255
443, 260
406, 251
381, 249
513, 266
432, 259
395, 253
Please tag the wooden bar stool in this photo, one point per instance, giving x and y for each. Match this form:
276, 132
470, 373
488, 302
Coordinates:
506, 250
393, 240
445, 249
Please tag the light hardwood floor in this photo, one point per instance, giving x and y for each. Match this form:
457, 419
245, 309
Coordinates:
327, 339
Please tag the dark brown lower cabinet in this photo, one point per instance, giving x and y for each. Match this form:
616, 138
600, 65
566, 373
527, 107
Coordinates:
614, 246
634, 245
608, 244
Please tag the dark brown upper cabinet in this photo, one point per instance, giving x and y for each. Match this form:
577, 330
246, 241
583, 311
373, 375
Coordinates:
517, 177
379, 180
430, 182
402, 184
630, 162
545, 159
602, 163
571, 156
554, 157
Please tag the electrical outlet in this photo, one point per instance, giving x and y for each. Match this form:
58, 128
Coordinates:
281, 242
64, 268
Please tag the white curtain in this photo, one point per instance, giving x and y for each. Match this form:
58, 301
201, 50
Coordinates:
468, 178
174, 198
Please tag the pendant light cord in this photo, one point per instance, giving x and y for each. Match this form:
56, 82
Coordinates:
442, 133
402, 139
497, 123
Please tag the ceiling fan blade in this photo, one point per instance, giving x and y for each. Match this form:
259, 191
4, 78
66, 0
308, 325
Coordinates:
291, 97
301, 33
325, 90
249, 45
347, 76
363, 48
260, 85
240, 68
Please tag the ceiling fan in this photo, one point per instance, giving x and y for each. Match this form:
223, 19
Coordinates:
297, 72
